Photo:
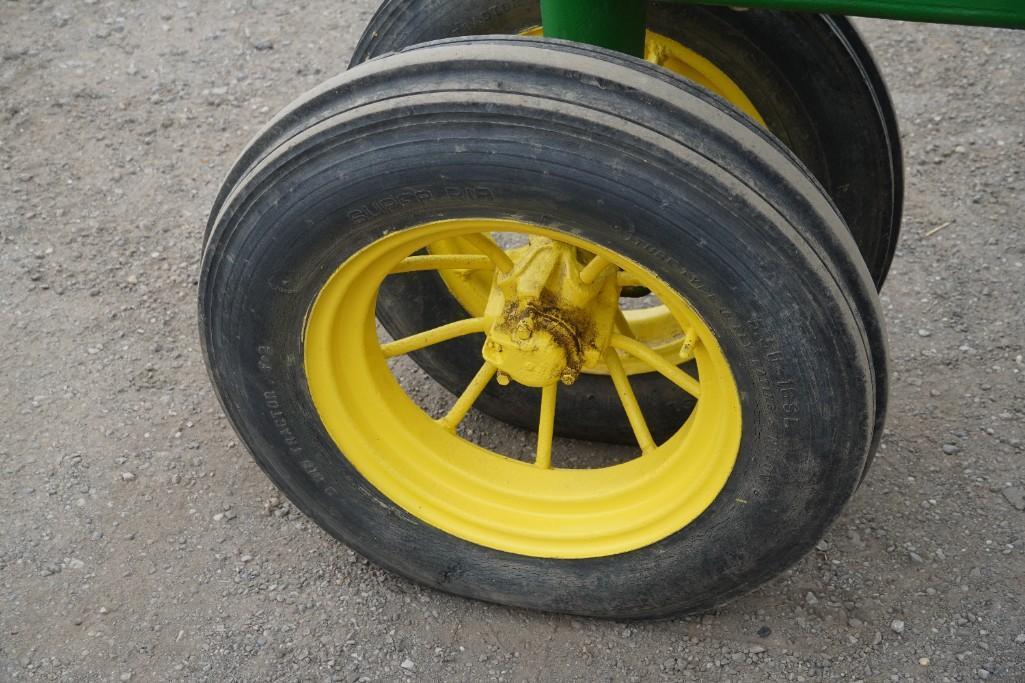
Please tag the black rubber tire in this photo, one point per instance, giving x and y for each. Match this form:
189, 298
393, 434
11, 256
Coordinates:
811, 76
719, 210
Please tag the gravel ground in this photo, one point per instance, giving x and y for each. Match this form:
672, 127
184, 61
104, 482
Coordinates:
141, 543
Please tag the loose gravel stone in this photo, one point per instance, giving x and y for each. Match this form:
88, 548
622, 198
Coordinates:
1015, 495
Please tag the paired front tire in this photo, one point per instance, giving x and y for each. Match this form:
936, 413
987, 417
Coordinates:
336, 212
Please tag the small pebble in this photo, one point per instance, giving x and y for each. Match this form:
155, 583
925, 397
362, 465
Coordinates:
897, 626
1015, 495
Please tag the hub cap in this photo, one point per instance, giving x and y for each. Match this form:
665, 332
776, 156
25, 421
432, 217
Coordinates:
552, 316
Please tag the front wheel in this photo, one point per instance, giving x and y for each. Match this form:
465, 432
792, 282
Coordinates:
773, 375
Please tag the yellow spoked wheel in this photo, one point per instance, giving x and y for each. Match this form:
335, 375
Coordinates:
651, 324
552, 313
746, 431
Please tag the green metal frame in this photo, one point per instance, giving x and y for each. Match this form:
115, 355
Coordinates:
614, 24
999, 13
619, 24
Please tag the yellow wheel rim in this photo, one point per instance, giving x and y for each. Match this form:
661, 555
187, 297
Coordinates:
654, 325
533, 508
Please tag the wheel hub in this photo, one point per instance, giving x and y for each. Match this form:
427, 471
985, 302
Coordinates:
549, 316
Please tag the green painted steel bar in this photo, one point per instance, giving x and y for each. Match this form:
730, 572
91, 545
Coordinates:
999, 13
615, 24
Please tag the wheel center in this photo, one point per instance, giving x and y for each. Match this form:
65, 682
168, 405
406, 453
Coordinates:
550, 316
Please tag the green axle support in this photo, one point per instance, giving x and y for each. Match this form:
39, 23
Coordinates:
619, 24
614, 24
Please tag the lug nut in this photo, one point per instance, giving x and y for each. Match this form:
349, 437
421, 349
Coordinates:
502, 379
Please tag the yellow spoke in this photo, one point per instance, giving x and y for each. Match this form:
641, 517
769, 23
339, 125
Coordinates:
623, 325
626, 279
546, 427
629, 401
437, 335
472, 392
487, 246
690, 340
644, 353
443, 262
593, 269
